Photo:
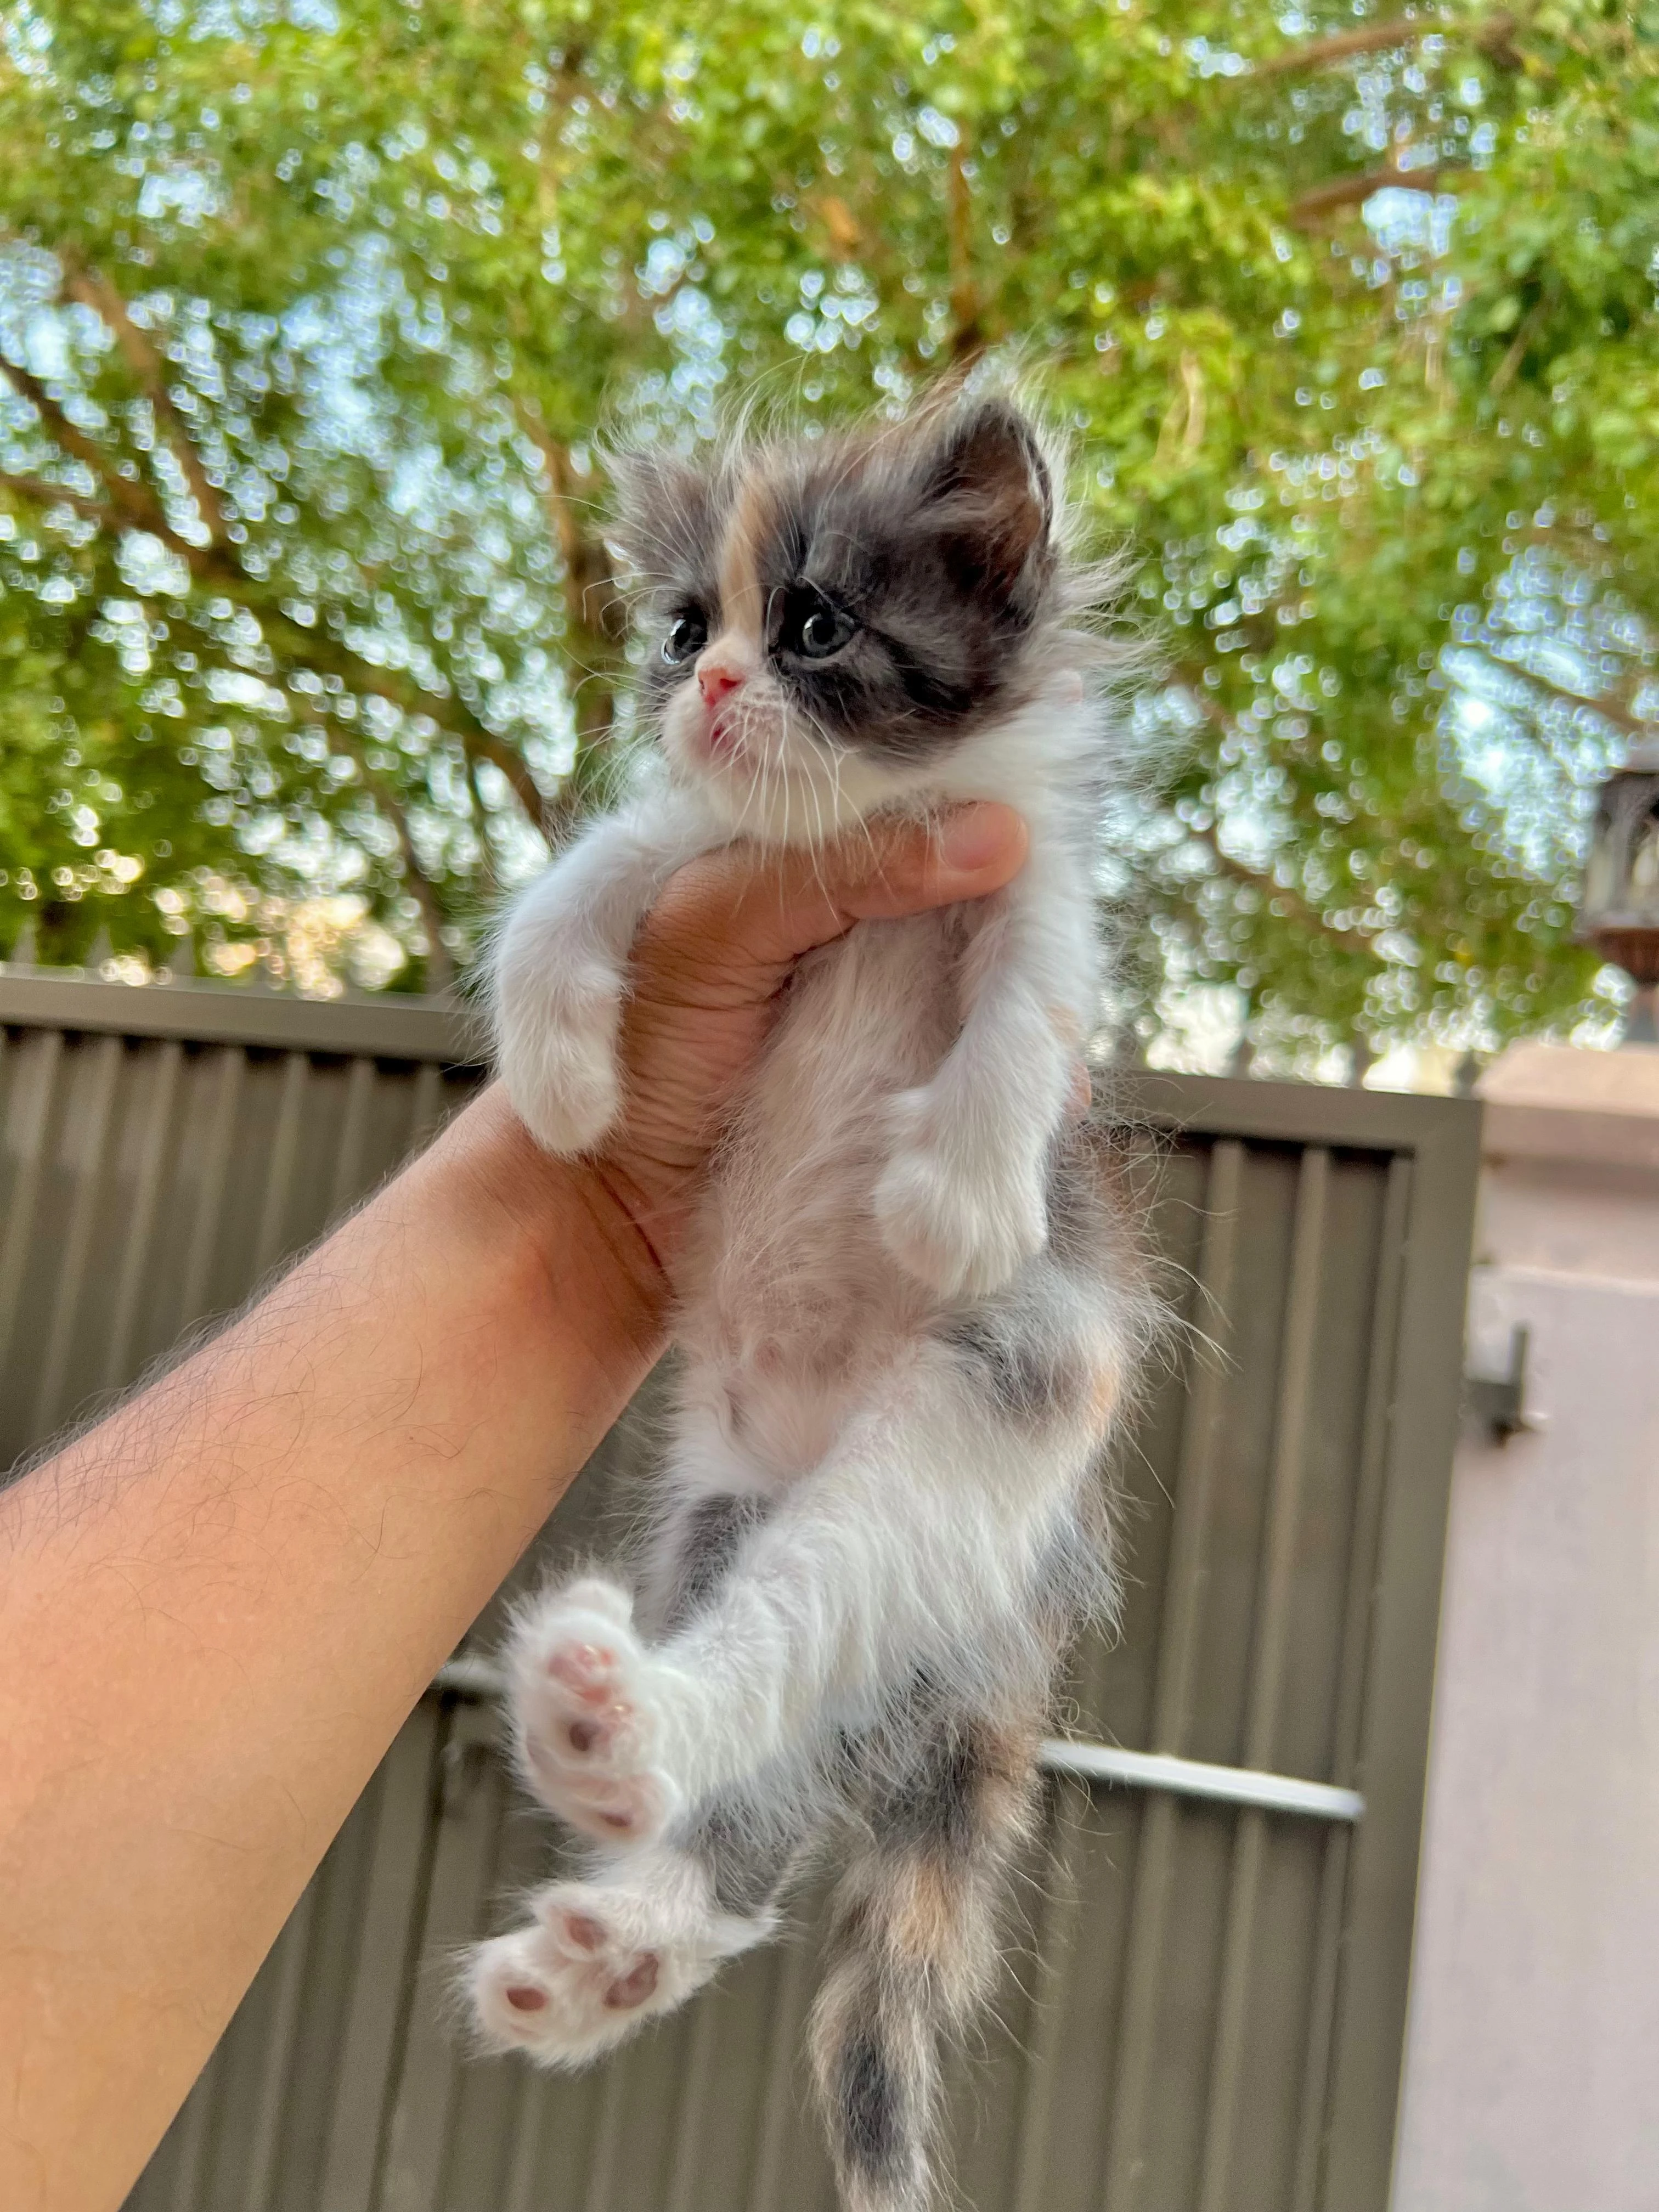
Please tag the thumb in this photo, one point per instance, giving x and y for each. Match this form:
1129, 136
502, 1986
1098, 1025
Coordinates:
770, 908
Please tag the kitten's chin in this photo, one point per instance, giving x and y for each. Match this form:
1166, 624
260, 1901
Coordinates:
778, 808
783, 791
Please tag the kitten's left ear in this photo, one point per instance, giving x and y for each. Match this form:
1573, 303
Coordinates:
987, 489
663, 507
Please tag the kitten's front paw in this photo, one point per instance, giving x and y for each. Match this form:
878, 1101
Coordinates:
588, 1703
558, 1061
961, 1228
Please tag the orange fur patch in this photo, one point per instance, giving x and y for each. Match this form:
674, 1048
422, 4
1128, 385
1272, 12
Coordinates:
741, 603
1103, 1397
925, 1925
1006, 1789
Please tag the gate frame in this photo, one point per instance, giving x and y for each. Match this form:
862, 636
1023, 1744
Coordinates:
1377, 1896
1372, 1892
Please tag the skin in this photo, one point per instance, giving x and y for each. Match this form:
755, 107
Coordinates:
217, 1607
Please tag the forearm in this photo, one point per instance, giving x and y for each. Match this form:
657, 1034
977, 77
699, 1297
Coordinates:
216, 1610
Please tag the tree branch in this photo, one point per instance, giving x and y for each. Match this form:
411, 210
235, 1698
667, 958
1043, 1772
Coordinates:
1354, 191
439, 965
317, 649
138, 509
329, 655
1351, 940
1298, 910
967, 317
1492, 34
1507, 369
1610, 710
133, 506
595, 612
487, 857
440, 962
44, 494
92, 289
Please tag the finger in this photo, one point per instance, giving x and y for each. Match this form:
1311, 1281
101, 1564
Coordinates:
771, 907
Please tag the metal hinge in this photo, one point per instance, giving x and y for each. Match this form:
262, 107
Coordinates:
1498, 1403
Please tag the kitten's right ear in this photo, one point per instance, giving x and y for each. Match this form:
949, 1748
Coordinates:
661, 521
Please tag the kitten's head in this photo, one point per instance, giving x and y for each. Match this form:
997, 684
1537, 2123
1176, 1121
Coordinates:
826, 620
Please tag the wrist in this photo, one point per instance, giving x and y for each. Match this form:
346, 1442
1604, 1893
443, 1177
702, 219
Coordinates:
566, 1242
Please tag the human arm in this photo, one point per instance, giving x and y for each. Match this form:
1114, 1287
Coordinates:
217, 1607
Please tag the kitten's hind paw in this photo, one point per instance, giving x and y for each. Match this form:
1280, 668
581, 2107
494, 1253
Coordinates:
588, 1703
961, 1229
568, 1987
599, 1959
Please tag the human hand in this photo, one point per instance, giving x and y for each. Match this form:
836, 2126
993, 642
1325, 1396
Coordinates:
712, 960
706, 977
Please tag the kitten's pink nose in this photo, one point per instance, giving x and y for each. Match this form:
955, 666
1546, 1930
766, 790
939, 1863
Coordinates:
715, 678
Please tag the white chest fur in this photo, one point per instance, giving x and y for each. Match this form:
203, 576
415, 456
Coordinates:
791, 1297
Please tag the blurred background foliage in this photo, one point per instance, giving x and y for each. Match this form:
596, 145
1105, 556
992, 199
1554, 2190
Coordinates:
310, 311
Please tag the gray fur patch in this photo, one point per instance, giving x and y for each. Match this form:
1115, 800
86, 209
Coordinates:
747, 1860
1025, 1380
713, 1532
871, 2114
936, 1808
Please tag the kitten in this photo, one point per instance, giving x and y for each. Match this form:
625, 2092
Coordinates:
910, 1308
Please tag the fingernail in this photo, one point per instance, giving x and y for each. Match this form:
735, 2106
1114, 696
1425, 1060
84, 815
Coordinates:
974, 837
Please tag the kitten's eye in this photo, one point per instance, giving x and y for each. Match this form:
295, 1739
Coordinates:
688, 634
815, 628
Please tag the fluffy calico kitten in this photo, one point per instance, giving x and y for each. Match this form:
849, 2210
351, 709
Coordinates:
909, 1310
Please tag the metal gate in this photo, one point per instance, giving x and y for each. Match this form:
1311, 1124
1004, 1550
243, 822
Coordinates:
1204, 2008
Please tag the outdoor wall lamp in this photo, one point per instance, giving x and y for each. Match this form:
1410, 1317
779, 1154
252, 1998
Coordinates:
1619, 912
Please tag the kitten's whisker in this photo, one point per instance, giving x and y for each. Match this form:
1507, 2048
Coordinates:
820, 844
810, 788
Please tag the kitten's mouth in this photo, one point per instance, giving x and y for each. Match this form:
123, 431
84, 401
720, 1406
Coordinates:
720, 734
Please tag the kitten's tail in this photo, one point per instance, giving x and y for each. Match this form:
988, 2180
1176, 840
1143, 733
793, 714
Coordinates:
913, 1952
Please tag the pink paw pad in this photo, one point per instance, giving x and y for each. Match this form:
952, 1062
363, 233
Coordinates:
586, 1706
588, 1671
635, 1986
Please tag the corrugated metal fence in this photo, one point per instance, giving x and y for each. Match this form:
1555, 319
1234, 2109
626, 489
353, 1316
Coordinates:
1205, 2012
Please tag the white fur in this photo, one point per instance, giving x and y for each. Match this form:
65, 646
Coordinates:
561, 968
603, 1955
918, 1519
886, 1164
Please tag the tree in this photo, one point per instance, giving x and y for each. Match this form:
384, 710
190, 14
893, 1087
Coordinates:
310, 315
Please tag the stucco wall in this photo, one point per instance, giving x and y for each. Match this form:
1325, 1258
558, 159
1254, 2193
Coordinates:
1532, 2080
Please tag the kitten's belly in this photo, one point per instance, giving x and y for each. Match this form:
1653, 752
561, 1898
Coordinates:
792, 1301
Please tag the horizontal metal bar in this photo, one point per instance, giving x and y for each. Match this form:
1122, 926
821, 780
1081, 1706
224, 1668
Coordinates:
1194, 1777
469, 1675
1283, 1113
393, 1027
396, 1026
